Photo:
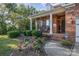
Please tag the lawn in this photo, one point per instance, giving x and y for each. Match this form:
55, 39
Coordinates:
7, 45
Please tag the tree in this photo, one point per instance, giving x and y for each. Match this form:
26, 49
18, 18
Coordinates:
10, 6
19, 17
3, 14
12, 14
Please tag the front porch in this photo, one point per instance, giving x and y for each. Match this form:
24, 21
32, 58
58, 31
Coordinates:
51, 23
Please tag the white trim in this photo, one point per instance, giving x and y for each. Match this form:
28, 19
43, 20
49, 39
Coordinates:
36, 24
30, 23
77, 28
51, 21
41, 22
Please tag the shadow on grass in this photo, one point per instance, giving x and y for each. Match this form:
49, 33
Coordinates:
6, 45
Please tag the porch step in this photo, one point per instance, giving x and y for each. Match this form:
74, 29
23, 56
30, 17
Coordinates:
58, 36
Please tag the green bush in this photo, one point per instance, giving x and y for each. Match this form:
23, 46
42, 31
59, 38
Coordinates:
28, 33
13, 34
39, 40
26, 43
66, 43
37, 46
24, 32
26, 39
36, 33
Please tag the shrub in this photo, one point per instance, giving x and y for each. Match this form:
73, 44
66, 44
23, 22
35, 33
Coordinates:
13, 34
37, 46
36, 33
66, 43
28, 33
24, 32
39, 40
26, 39
26, 43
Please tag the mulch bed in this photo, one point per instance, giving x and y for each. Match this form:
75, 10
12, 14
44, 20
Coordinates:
28, 51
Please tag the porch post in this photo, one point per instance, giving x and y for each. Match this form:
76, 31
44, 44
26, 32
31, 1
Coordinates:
51, 24
41, 22
30, 23
36, 24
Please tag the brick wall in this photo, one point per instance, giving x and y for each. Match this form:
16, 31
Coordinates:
70, 15
58, 37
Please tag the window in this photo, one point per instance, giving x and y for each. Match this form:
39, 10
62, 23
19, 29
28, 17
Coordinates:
47, 23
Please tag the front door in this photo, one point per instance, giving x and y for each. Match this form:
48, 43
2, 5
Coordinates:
58, 26
62, 26
77, 29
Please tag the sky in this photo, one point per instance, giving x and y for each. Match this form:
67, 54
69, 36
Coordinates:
38, 6
44, 6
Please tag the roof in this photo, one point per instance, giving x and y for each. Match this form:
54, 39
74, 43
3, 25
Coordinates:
53, 11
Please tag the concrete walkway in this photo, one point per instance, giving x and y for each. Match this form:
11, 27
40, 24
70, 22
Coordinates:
75, 51
53, 48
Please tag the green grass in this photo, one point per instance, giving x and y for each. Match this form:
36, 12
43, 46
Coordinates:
7, 44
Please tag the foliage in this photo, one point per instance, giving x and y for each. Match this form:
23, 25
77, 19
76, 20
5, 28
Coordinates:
37, 46
66, 43
39, 40
13, 34
3, 28
11, 28
10, 6
38, 43
36, 33
23, 24
17, 14
28, 32
26, 39
26, 43
23, 32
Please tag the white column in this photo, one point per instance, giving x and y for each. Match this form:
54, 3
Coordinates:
36, 24
30, 23
41, 22
51, 24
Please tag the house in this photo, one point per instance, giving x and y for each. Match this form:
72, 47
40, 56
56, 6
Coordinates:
62, 22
